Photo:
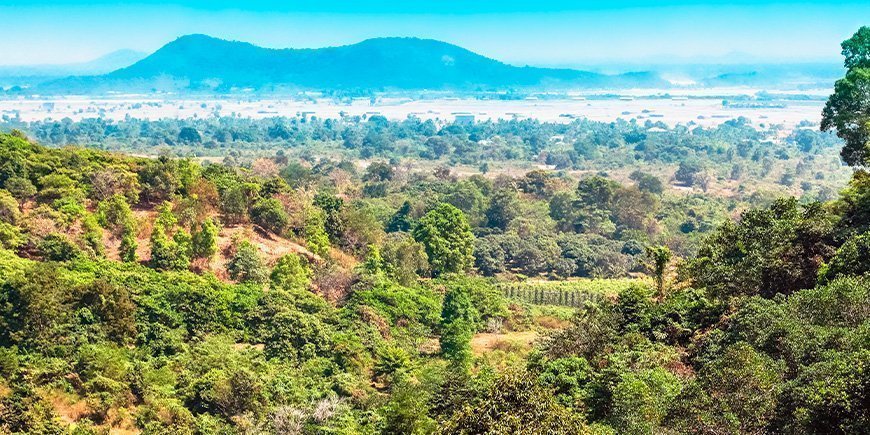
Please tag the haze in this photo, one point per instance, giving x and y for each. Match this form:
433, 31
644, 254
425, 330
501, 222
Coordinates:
549, 33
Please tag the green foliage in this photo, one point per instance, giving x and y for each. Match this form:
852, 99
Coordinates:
852, 258
568, 378
690, 172
246, 265
333, 222
21, 188
768, 252
765, 331
92, 235
58, 247
647, 182
205, 240
315, 234
459, 319
447, 238
659, 257
127, 249
503, 208
114, 214
9, 212
513, 403
401, 220
168, 254
641, 400
397, 304
404, 259
848, 108
290, 273
373, 264
269, 214
10, 236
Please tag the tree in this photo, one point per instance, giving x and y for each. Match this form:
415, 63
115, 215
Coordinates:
514, 403
659, 257
404, 258
852, 258
332, 207
848, 109
127, 250
316, 237
246, 265
166, 254
447, 238
503, 208
114, 214
21, 188
205, 240
435, 147
112, 306
9, 211
189, 135
768, 251
269, 214
373, 264
458, 320
401, 220
596, 191
647, 182
234, 202
689, 172
290, 273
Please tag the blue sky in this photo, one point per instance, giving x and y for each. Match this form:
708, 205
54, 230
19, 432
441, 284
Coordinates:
543, 32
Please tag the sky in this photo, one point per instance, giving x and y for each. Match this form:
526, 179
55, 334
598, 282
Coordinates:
533, 32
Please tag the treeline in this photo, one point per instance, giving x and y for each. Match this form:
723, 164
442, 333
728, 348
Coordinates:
737, 146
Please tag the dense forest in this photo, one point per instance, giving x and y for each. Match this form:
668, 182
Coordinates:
288, 289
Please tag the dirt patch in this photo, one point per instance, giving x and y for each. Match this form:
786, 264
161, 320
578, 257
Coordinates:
69, 408
508, 342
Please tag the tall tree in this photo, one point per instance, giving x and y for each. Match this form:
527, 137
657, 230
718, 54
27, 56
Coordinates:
659, 257
458, 318
848, 108
447, 238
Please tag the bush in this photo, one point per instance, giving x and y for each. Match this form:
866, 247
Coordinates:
205, 240
9, 212
58, 247
246, 265
291, 272
269, 214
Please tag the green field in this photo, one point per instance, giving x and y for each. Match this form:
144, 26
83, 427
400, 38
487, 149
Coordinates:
570, 293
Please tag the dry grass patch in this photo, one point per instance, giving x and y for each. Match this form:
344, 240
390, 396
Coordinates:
508, 342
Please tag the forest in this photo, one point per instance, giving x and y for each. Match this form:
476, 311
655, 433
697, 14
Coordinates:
355, 277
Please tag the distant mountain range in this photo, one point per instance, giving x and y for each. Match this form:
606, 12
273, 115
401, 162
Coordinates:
204, 63
200, 63
33, 74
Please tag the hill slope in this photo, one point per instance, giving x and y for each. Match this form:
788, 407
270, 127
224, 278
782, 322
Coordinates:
203, 62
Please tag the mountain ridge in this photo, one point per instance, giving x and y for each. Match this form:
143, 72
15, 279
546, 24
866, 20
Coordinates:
202, 62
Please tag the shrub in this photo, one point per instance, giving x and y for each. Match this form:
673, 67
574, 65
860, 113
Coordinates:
246, 265
269, 214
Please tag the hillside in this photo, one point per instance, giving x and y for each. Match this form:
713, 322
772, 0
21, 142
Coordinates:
200, 62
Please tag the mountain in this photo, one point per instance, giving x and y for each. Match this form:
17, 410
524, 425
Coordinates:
110, 62
21, 75
200, 62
